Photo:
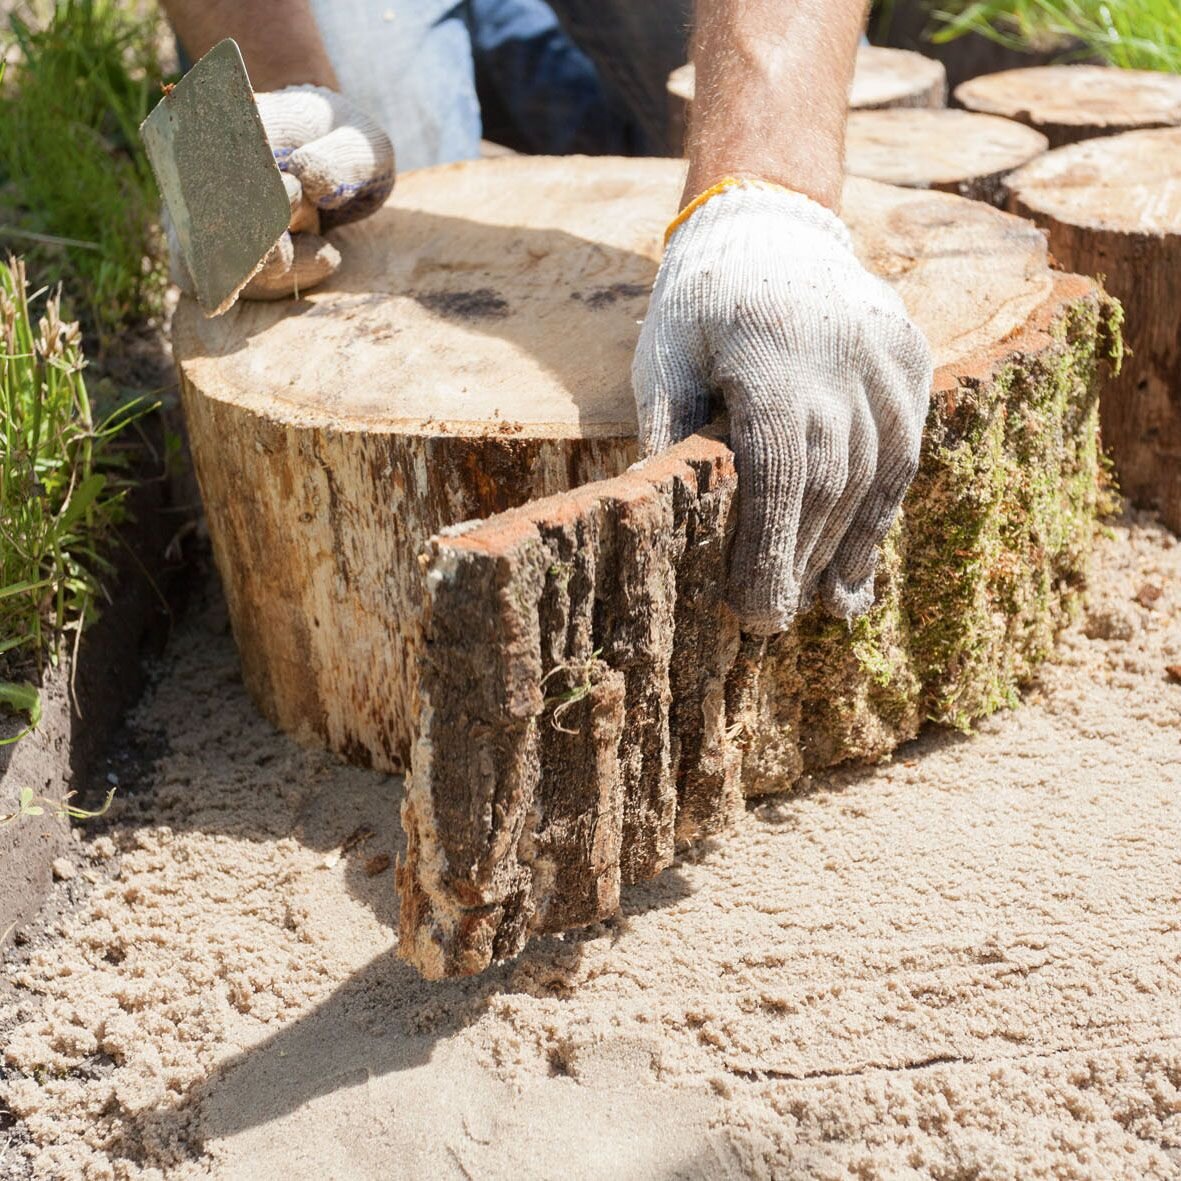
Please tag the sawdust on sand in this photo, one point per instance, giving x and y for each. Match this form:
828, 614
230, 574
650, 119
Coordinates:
963, 964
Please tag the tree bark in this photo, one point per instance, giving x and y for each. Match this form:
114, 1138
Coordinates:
1112, 207
983, 568
952, 151
882, 79
1071, 103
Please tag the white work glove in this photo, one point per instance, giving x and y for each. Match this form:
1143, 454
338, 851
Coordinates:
338, 165
825, 378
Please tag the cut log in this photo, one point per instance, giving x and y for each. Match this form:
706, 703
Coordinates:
883, 78
953, 151
579, 701
1071, 103
472, 354
1112, 207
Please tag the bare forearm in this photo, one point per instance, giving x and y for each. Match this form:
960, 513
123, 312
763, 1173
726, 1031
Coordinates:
278, 38
772, 93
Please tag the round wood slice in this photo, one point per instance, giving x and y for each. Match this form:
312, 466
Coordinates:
473, 353
896, 78
1071, 103
882, 78
954, 151
1112, 207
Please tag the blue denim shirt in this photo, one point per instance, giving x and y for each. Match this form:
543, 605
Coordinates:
409, 64
413, 65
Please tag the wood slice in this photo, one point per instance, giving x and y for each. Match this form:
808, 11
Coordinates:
882, 78
1112, 207
953, 151
1071, 103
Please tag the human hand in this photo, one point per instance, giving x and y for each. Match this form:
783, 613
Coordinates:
338, 166
825, 378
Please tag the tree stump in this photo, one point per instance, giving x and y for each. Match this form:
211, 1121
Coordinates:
1112, 207
882, 78
1071, 103
953, 151
577, 696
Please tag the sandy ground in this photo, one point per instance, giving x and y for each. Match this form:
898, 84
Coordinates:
964, 964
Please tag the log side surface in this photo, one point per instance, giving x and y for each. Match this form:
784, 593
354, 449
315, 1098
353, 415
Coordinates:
1072, 103
473, 353
1112, 207
587, 700
952, 151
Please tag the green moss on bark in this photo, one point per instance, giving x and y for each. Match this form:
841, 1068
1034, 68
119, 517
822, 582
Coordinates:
986, 565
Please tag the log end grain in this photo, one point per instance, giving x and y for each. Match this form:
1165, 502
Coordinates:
896, 78
1071, 103
953, 151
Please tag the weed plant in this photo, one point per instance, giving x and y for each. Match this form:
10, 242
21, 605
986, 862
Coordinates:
62, 480
81, 201
1135, 34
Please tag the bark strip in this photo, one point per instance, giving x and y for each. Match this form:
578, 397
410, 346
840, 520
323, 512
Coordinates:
587, 699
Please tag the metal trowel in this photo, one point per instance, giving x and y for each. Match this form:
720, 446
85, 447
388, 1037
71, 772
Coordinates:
217, 175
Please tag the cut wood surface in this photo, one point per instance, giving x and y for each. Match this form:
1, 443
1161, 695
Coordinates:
953, 151
1071, 103
473, 353
1112, 207
882, 78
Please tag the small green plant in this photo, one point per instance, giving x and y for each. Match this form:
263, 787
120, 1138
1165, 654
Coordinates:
29, 805
1135, 34
585, 675
25, 699
62, 479
82, 201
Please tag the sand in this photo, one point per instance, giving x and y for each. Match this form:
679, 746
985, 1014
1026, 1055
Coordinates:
965, 963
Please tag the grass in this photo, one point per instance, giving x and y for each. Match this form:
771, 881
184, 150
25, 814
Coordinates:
1134, 34
62, 480
73, 173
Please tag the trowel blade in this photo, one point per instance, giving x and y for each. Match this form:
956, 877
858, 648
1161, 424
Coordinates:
217, 175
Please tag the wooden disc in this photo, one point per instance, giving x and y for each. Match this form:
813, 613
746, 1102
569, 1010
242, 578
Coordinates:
1070, 103
1112, 207
1128, 183
954, 151
881, 78
505, 297
896, 78
473, 353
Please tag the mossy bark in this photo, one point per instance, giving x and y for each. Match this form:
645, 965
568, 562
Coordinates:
683, 716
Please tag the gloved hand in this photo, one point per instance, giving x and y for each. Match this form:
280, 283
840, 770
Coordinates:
338, 166
825, 378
